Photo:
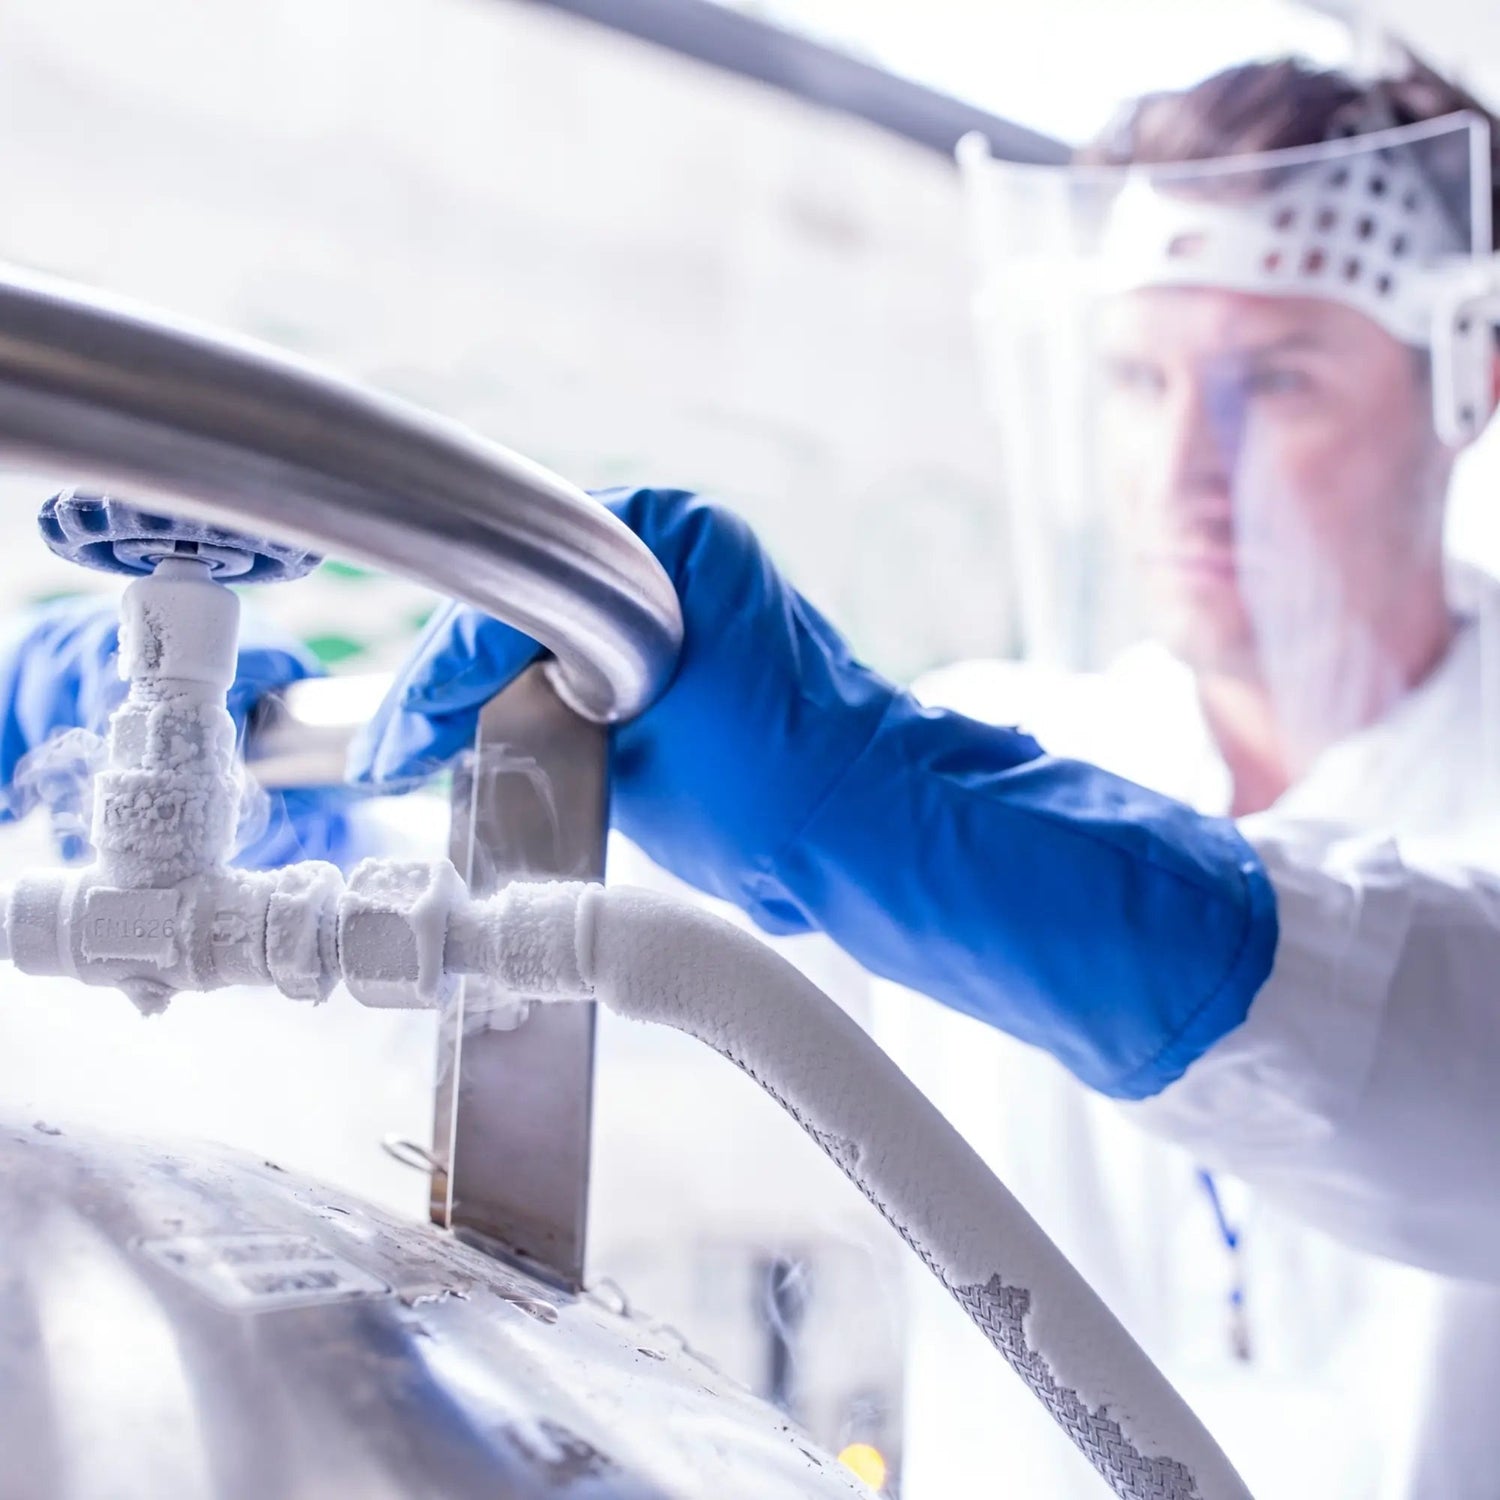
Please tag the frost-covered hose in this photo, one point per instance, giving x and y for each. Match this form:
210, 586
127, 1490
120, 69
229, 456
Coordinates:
651, 958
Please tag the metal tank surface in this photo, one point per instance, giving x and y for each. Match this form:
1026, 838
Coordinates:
186, 1323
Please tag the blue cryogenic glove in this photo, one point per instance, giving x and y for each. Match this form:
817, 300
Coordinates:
1117, 929
58, 674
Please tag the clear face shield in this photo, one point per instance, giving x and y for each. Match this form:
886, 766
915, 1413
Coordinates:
1230, 396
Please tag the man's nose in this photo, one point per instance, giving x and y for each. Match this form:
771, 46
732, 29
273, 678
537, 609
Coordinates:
1198, 444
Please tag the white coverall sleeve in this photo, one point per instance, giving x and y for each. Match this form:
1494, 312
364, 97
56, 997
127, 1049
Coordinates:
1362, 1092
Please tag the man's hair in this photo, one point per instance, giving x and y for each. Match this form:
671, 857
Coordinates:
1270, 106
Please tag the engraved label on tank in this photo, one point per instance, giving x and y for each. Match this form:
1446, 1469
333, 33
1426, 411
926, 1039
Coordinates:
263, 1271
138, 925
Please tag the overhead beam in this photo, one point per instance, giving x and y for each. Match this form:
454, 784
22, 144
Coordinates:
815, 72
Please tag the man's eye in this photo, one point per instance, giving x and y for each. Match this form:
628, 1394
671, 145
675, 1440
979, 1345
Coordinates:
1135, 376
1274, 381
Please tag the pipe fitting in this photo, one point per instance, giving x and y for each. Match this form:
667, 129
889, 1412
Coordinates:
386, 934
302, 930
221, 928
530, 940
199, 934
165, 807
393, 929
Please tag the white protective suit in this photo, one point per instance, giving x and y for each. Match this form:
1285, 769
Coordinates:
1358, 1095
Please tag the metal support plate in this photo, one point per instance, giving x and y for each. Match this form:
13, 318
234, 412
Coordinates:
515, 1107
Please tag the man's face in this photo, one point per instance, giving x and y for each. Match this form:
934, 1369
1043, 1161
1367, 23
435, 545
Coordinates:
1273, 462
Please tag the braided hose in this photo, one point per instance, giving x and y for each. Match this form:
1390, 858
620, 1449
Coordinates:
650, 958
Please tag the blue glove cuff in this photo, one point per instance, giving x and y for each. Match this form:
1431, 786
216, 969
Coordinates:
1115, 928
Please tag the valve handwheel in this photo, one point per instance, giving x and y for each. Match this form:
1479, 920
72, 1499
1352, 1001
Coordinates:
115, 536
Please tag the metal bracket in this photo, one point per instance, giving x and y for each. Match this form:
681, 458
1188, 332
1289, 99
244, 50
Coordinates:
514, 1107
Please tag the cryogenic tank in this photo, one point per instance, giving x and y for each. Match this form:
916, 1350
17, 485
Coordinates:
187, 1323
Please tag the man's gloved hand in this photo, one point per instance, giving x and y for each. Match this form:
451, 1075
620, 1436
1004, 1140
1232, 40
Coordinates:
1116, 928
704, 799
58, 674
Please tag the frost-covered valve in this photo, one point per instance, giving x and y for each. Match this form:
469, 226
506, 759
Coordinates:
161, 910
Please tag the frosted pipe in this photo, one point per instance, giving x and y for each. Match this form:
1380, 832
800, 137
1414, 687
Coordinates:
650, 958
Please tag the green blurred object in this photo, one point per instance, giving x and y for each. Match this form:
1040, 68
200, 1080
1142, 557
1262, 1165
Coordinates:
332, 649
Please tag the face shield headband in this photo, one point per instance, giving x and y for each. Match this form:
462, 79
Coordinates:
1355, 220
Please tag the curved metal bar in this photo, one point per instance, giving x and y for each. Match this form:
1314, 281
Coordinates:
193, 420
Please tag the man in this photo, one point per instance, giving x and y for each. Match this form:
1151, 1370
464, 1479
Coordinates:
1241, 348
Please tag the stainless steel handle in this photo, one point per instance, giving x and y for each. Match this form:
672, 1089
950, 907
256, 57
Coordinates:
197, 421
